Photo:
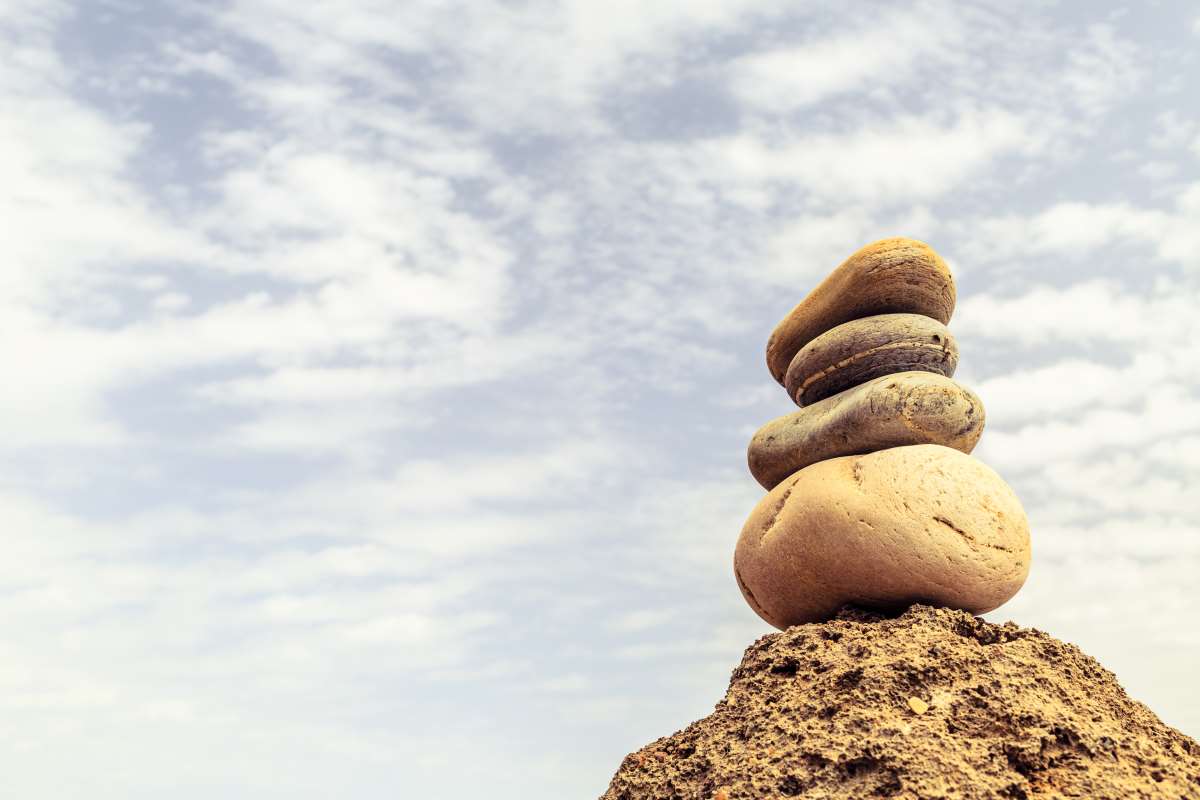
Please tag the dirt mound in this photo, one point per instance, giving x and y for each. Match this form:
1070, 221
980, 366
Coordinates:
931, 704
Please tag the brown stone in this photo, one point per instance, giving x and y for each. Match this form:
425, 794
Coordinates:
898, 275
895, 410
867, 348
923, 523
821, 711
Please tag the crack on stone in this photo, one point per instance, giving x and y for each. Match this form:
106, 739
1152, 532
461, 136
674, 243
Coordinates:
754, 604
969, 537
779, 504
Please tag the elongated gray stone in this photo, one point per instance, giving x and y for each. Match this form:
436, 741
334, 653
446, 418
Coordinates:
892, 411
867, 348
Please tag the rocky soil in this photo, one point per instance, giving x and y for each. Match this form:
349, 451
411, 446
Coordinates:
934, 703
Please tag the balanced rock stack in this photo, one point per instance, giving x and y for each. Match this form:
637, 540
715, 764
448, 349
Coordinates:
873, 500
875, 507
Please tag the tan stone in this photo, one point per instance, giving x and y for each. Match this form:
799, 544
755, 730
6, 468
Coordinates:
891, 275
902, 409
923, 523
867, 348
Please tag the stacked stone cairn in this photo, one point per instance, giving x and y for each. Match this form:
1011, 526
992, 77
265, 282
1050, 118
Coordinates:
872, 499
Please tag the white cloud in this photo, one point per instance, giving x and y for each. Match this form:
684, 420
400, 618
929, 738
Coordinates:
1080, 312
808, 248
1092, 312
1169, 411
1158, 170
573, 682
1101, 70
69, 209
60, 371
171, 301
1171, 130
435, 485
382, 239
1078, 229
643, 619
541, 67
1126, 484
813, 245
884, 52
1069, 386
908, 158
696, 524
382, 248
1181, 452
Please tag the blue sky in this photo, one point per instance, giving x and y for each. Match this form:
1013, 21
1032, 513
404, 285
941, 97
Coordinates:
380, 374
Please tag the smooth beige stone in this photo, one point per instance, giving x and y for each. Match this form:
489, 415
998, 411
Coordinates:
867, 348
924, 523
892, 411
891, 275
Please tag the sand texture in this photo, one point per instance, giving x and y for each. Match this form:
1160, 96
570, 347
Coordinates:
934, 703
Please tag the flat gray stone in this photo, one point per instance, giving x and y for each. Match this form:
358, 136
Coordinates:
868, 348
891, 411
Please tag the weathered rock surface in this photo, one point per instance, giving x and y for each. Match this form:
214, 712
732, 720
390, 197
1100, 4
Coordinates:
923, 523
891, 411
897, 275
868, 348
932, 704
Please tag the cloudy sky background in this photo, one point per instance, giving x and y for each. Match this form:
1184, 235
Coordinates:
379, 374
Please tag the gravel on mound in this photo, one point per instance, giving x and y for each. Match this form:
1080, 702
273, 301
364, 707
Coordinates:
934, 703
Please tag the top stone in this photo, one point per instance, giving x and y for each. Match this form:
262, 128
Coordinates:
898, 275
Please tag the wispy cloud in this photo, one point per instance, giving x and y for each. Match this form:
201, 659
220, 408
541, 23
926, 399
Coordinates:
872, 55
376, 378
910, 158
